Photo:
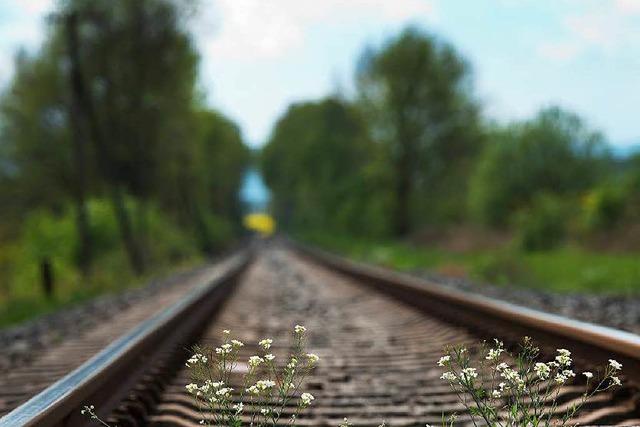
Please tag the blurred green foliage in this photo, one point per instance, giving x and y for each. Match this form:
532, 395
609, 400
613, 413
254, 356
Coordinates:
110, 163
544, 224
553, 153
416, 93
322, 169
419, 157
565, 270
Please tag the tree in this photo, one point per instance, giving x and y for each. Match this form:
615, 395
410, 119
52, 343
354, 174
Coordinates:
321, 169
416, 92
108, 108
555, 153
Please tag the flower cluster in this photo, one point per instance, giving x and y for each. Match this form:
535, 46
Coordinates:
508, 389
263, 393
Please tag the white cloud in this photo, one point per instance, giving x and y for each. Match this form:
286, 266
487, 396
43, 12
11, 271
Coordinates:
258, 29
628, 6
559, 51
604, 26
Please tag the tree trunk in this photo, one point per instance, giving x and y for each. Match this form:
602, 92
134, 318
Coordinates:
136, 258
402, 223
85, 253
104, 163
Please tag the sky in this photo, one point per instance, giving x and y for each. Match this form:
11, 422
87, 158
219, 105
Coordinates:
258, 56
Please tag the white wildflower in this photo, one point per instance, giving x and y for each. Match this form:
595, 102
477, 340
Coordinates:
468, 374
496, 394
292, 363
615, 364
266, 343
191, 388
299, 329
269, 357
196, 358
502, 366
254, 361
237, 343
264, 384
306, 398
444, 360
542, 370
225, 391
448, 376
588, 374
616, 381
226, 331
312, 358
563, 358
238, 407
560, 379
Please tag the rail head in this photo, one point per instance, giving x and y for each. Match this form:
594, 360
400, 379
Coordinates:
417, 291
54, 404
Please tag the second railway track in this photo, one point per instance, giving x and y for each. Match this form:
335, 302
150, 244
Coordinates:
378, 352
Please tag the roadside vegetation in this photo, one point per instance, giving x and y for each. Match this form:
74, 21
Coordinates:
567, 269
111, 165
383, 172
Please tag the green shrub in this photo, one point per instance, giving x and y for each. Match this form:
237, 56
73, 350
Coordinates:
603, 208
543, 225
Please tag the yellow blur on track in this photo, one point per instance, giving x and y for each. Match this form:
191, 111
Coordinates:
260, 222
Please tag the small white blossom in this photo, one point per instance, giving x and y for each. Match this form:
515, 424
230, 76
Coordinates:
237, 343
615, 364
254, 361
496, 394
264, 384
468, 374
542, 370
306, 398
299, 329
238, 407
444, 360
225, 391
196, 358
266, 343
224, 349
563, 358
502, 366
269, 357
226, 331
265, 411
560, 379
448, 376
313, 358
191, 388
588, 374
616, 381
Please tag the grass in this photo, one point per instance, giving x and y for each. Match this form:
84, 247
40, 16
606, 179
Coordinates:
111, 276
565, 270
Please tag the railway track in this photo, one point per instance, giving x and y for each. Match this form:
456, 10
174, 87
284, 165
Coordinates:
378, 348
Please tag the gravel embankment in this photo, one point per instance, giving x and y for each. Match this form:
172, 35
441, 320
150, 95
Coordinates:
617, 311
21, 343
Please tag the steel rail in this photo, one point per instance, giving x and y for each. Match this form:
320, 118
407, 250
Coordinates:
111, 373
590, 342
